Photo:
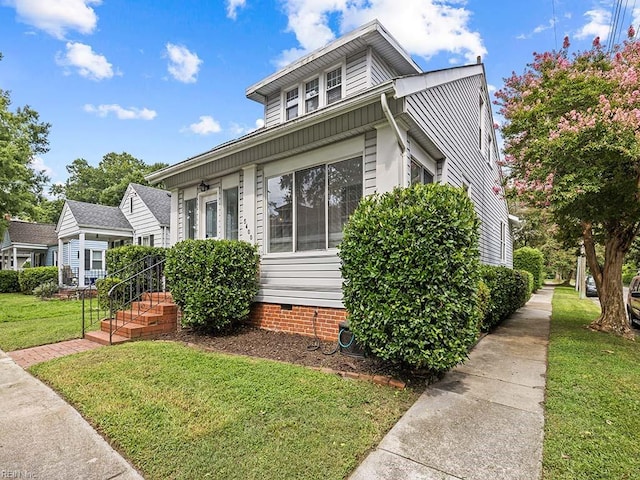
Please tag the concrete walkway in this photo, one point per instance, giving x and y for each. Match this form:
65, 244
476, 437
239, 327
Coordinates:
484, 420
43, 437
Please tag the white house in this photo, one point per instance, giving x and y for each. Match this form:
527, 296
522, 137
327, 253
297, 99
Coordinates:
353, 118
142, 218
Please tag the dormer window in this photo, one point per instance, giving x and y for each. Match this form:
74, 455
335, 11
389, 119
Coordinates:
311, 95
292, 103
334, 85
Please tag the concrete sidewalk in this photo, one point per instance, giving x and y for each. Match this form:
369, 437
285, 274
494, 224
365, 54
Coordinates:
484, 419
43, 437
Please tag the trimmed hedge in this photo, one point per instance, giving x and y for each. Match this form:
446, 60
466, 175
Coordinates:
119, 259
9, 281
212, 281
531, 260
410, 269
508, 291
30, 278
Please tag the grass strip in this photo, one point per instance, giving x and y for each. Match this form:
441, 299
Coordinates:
592, 427
178, 412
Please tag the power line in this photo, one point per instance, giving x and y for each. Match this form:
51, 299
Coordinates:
553, 19
613, 25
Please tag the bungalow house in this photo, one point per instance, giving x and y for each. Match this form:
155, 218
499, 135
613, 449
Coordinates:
353, 118
23, 242
86, 230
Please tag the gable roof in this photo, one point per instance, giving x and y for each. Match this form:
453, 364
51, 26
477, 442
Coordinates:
157, 200
32, 233
94, 215
370, 34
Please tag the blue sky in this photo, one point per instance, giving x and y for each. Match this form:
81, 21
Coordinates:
165, 79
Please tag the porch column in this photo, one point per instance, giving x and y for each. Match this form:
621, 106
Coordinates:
248, 226
81, 265
60, 261
15, 259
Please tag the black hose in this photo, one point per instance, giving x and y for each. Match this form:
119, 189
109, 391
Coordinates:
316, 345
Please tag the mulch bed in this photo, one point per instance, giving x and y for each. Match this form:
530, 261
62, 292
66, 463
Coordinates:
297, 349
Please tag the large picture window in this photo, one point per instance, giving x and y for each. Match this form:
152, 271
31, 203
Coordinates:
419, 174
230, 199
308, 209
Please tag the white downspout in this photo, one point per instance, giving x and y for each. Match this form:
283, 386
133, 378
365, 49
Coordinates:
398, 134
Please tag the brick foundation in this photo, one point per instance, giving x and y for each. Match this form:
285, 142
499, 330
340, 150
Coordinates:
298, 319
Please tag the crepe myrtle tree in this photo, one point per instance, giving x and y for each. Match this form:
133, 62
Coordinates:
572, 145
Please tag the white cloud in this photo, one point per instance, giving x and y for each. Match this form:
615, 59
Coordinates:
88, 63
424, 27
233, 6
131, 113
598, 25
206, 126
56, 17
38, 165
183, 64
238, 129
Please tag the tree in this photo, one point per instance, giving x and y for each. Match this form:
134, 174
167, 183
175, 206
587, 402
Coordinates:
572, 144
22, 137
106, 183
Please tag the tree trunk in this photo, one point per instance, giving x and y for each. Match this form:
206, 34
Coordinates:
608, 278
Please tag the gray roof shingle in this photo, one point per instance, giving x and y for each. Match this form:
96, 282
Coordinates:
94, 215
158, 201
32, 233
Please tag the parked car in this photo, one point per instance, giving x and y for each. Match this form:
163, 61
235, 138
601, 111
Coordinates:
591, 290
633, 302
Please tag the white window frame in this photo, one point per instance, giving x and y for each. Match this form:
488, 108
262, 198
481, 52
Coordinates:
185, 235
230, 181
326, 84
294, 239
503, 242
286, 105
203, 199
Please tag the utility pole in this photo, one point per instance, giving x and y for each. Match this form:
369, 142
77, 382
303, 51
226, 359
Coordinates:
581, 273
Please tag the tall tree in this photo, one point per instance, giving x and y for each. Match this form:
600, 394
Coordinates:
572, 139
22, 137
106, 183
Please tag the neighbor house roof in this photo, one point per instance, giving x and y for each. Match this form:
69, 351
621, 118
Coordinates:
32, 233
158, 201
94, 215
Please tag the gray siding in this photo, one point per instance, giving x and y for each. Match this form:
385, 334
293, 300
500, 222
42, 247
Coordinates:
141, 219
370, 153
72, 248
260, 206
357, 79
68, 225
380, 71
272, 111
301, 280
450, 115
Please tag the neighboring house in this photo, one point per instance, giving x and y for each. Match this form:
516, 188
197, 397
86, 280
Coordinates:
353, 118
36, 243
86, 230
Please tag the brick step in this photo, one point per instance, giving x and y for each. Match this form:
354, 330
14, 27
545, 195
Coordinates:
103, 337
158, 296
145, 318
136, 330
154, 307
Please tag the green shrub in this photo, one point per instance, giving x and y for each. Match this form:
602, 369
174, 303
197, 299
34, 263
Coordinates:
212, 281
531, 260
46, 290
484, 298
410, 270
103, 285
629, 270
509, 290
30, 278
9, 281
119, 259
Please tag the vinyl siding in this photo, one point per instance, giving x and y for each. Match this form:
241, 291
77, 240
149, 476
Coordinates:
71, 249
450, 114
272, 114
357, 79
370, 154
380, 71
68, 225
141, 219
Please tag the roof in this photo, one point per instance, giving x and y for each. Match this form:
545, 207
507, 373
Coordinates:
94, 215
32, 233
370, 34
157, 200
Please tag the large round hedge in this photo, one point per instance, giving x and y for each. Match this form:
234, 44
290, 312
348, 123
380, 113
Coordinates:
212, 281
410, 265
531, 260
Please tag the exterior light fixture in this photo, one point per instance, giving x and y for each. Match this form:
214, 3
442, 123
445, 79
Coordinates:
203, 187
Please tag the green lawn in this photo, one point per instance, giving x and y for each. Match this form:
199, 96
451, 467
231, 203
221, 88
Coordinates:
592, 428
26, 321
178, 412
